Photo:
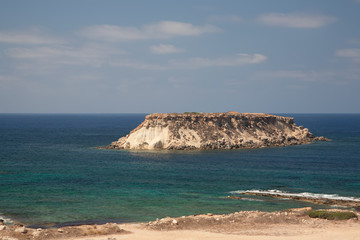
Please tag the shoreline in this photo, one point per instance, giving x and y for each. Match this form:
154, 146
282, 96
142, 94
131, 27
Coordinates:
319, 199
244, 223
328, 201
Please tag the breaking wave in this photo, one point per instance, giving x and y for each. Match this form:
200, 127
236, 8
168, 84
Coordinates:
6, 220
252, 199
304, 194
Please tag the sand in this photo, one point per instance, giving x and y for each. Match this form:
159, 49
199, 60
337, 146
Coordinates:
343, 231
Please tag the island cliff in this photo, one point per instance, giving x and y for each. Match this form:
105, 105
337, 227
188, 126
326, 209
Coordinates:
229, 130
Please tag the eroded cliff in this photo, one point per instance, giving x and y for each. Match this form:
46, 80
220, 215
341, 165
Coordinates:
229, 130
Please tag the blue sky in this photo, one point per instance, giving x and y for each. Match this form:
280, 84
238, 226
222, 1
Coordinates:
86, 56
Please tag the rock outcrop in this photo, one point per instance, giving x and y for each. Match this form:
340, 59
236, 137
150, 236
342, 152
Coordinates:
340, 201
229, 130
21, 232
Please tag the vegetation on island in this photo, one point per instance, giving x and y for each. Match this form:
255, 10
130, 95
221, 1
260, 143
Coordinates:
332, 215
191, 113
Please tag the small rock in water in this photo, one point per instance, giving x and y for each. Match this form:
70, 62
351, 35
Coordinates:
174, 221
60, 230
234, 197
209, 214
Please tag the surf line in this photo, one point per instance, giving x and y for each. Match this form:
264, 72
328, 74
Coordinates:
322, 199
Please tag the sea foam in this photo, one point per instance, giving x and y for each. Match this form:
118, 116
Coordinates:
6, 220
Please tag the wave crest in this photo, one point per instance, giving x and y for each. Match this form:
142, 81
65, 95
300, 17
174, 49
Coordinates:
303, 194
6, 220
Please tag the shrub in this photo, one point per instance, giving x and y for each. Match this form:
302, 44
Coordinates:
332, 215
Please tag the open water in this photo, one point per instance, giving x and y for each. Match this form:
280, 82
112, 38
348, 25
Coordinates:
52, 174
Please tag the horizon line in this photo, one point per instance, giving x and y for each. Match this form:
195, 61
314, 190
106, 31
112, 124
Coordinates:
97, 113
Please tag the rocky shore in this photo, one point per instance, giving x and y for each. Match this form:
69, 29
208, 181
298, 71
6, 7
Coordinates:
21, 232
230, 130
228, 222
238, 225
316, 200
237, 220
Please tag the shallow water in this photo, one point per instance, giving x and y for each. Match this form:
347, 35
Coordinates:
51, 172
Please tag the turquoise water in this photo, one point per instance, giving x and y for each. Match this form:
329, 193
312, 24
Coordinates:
51, 173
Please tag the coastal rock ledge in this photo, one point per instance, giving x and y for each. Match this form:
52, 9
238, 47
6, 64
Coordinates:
230, 130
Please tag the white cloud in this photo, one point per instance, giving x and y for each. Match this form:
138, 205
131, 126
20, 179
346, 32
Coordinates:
305, 76
226, 19
90, 54
30, 37
353, 53
309, 77
6, 78
353, 41
196, 63
229, 61
174, 80
296, 20
165, 49
177, 83
160, 30
134, 64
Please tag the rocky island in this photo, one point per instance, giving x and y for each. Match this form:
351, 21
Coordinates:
230, 130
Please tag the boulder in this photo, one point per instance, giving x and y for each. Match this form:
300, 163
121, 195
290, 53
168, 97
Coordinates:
21, 230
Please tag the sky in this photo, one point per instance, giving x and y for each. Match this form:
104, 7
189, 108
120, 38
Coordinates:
92, 56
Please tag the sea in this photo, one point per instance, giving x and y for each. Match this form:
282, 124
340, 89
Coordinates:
52, 174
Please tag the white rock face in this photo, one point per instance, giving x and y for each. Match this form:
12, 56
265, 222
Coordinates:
150, 138
229, 130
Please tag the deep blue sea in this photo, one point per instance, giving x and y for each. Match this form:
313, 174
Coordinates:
52, 174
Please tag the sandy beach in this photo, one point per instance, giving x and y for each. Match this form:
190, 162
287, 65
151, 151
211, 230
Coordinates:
251, 225
348, 231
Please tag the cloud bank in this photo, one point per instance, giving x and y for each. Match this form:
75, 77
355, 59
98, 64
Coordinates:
159, 30
165, 49
229, 61
300, 75
32, 37
296, 20
196, 63
89, 54
352, 53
